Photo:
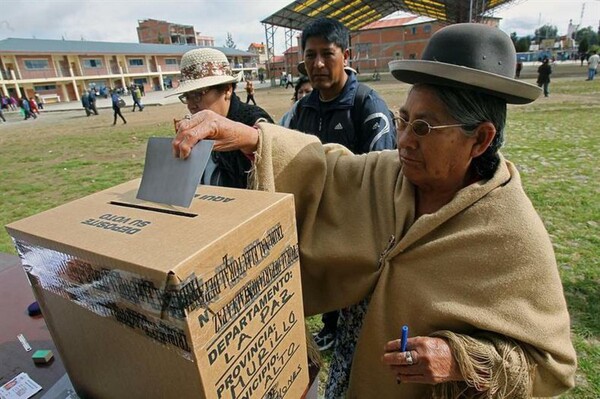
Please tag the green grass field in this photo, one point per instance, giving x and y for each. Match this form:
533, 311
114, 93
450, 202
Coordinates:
554, 142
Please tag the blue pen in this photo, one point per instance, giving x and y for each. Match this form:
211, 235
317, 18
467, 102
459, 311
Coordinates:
404, 339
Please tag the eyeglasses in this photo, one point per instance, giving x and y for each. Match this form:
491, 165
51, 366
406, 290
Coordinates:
419, 127
193, 96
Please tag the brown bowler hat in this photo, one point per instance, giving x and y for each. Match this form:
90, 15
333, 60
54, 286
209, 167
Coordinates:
470, 56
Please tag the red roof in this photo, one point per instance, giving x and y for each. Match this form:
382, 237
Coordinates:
293, 49
388, 23
256, 45
277, 58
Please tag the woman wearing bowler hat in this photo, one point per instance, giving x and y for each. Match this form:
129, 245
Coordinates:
439, 236
208, 83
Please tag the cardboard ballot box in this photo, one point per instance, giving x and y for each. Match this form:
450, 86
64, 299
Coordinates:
152, 301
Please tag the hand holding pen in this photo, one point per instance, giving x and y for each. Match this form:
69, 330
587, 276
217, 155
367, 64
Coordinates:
427, 360
403, 343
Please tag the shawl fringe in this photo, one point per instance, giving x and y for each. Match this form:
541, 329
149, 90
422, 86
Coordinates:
493, 368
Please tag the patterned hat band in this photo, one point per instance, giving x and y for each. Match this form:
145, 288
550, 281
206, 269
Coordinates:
205, 69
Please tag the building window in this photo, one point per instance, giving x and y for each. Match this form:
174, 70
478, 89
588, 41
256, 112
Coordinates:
171, 61
44, 88
412, 56
427, 29
36, 64
140, 81
92, 63
413, 30
398, 55
136, 62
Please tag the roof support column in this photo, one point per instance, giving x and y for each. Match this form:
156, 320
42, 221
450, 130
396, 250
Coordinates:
2, 84
270, 36
289, 42
14, 78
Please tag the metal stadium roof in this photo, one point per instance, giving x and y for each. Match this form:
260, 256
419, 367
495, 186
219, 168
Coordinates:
357, 13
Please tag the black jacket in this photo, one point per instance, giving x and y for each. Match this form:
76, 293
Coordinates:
332, 122
232, 166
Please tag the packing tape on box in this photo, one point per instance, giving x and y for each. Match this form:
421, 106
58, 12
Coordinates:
120, 295
159, 312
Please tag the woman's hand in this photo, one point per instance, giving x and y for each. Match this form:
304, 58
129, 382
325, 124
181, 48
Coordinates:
227, 134
432, 361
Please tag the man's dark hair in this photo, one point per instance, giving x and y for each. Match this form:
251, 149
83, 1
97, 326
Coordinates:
329, 29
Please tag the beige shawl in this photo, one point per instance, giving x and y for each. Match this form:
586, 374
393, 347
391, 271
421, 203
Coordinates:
481, 267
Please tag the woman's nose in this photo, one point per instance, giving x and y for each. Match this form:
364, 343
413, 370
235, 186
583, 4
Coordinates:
405, 138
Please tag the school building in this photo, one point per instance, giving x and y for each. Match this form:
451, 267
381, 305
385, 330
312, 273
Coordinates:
380, 42
59, 70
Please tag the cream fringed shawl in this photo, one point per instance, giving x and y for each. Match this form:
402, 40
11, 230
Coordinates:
480, 271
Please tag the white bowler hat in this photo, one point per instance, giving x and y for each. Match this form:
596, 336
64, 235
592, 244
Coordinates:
204, 67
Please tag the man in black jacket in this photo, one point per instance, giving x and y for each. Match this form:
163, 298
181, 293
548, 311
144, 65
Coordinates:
330, 111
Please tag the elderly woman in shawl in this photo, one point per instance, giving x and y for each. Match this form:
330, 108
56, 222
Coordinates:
439, 236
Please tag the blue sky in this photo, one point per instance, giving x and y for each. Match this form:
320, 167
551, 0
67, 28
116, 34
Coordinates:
110, 20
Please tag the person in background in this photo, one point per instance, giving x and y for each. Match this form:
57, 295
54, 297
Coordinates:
593, 65
301, 89
116, 106
85, 102
518, 70
250, 92
208, 83
26, 107
136, 96
33, 106
283, 79
38, 100
92, 100
4, 102
2, 114
543, 79
438, 235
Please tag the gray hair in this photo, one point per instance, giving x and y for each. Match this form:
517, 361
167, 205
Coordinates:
472, 108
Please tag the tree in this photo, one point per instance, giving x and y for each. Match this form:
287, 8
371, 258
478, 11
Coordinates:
588, 34
546, 32
523, 44
229, 42
583, 45
514, 38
